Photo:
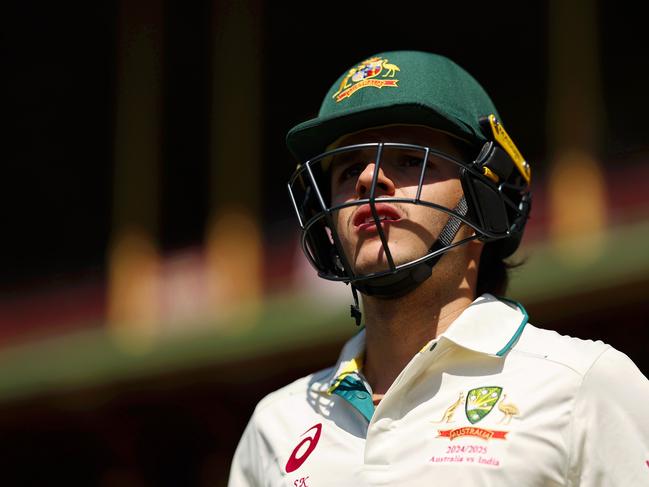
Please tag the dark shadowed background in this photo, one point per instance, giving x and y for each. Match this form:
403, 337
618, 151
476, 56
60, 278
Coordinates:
152, 288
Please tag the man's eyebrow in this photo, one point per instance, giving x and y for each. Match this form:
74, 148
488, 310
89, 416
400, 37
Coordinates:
344, 157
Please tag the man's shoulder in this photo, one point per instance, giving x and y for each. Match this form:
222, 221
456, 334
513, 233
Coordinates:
573, 353
295, 391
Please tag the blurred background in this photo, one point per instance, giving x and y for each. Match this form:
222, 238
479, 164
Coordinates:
152, 288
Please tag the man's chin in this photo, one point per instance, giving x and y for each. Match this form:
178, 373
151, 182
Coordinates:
371, 259
371, 269
376, 266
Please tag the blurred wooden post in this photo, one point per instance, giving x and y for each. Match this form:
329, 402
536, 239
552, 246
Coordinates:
133, 256
575, 117
233, 235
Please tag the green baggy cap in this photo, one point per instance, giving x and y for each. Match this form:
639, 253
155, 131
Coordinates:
397, 87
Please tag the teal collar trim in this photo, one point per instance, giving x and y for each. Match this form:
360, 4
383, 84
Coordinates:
519, 331
489, 326
352, 390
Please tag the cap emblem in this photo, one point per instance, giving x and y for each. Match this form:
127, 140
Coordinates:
367, 74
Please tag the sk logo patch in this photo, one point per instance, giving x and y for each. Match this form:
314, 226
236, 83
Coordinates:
480, 401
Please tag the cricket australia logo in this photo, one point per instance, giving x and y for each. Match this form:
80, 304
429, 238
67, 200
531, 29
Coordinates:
367, 74
479, 403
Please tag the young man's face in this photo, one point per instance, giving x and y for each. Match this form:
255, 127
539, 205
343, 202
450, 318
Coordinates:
410, 229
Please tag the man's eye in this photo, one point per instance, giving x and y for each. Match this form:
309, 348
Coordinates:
351, 171
411, 161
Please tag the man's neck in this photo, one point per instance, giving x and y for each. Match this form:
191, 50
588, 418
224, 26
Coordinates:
396, 329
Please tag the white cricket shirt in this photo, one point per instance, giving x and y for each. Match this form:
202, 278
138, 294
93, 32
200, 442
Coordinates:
493, 401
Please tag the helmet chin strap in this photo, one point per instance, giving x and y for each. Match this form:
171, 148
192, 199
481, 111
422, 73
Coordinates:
404, 281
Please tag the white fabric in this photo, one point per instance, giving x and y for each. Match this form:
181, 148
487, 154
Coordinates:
570, 413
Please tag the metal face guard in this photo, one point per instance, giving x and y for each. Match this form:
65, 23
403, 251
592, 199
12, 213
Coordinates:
310, 192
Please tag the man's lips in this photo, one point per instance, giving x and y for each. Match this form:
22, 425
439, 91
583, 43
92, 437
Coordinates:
364, 220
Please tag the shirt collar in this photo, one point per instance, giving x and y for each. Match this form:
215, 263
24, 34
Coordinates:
350, 361
488, 326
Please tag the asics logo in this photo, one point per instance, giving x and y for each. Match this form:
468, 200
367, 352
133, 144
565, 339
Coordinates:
304, 448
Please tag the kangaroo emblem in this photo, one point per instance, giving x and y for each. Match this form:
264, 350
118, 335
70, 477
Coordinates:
450, 411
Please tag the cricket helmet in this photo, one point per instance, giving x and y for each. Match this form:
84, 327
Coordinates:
408, 88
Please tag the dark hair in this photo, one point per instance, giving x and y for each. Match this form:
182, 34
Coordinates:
493, 271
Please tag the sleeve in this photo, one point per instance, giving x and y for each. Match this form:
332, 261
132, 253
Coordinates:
610, 431
247, 464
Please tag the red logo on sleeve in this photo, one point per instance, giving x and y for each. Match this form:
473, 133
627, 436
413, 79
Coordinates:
304, 448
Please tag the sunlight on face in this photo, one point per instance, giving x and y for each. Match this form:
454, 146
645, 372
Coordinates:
410, 229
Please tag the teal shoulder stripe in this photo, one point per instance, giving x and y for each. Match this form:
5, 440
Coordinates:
519, 331
352, 390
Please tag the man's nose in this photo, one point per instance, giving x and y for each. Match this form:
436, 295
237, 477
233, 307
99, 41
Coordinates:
384, 185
